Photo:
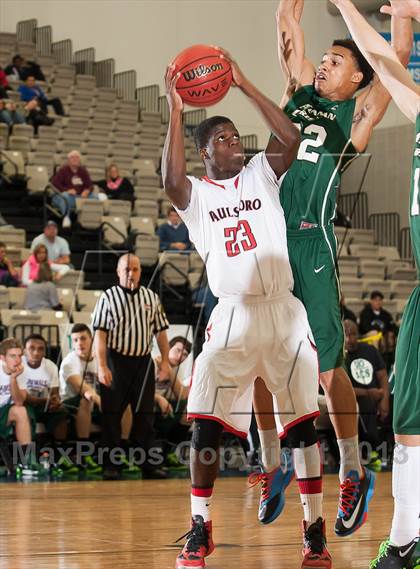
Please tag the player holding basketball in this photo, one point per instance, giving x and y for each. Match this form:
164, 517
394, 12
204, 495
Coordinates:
397, 551
334, 126
259, 328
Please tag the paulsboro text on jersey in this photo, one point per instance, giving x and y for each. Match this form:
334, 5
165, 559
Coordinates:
244, 205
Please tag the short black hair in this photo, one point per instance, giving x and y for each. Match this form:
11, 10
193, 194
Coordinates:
361, 61
77, 328
203, 131
35, 337
376, 294
186, 343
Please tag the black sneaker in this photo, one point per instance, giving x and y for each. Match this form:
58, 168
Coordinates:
355, 495
393, 557
198, 546
315, 552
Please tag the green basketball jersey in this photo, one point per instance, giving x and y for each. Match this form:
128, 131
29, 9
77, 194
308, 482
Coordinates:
415, 199
308, 192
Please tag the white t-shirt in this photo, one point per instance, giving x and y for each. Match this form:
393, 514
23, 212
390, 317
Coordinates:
5, 394
73, 365
238, 228
38, 382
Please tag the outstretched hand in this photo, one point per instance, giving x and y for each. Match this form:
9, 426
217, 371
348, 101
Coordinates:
238, 77
174, 98
403, 9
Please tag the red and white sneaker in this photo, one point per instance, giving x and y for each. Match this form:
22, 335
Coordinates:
199, 544
315, 552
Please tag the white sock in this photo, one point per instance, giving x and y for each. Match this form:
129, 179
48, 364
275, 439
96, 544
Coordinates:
201, 505
406, 492
308, 474
349, 456
270, 449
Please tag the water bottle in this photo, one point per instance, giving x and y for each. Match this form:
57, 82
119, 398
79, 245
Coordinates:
44, 461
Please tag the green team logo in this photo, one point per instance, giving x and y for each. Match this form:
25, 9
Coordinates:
362, 371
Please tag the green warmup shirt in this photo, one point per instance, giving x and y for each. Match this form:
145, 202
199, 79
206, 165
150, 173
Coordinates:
406, 420
308, 191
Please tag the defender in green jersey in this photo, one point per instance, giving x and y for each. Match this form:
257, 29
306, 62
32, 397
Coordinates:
335, 125
400, 550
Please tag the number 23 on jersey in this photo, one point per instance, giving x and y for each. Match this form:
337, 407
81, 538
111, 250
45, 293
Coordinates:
239, 238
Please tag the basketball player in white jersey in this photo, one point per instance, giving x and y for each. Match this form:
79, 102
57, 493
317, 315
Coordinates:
259, 328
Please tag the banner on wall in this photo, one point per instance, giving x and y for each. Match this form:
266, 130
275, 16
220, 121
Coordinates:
414, 63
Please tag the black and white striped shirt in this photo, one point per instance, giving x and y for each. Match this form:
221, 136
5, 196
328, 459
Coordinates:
130, 318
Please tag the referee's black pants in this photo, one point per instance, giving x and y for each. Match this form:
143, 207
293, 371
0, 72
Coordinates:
133, 383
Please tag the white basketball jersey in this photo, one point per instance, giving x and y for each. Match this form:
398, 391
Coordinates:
238, 228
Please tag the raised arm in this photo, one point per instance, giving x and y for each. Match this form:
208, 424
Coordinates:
284, 143
383, 58
174, 169
297, 70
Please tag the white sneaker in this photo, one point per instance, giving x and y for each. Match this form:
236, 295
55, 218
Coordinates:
66, 222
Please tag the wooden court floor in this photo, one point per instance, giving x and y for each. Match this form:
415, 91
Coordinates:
134, 524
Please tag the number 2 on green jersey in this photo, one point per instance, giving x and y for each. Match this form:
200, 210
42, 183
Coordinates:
321, 135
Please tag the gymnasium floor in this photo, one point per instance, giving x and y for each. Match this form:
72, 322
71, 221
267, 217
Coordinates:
134, 524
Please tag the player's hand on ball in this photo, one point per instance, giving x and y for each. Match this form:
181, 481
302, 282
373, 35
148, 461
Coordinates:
238, 77
174, 99
403, 9
105, 376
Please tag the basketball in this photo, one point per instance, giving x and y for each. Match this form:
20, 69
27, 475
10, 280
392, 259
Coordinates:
205, 76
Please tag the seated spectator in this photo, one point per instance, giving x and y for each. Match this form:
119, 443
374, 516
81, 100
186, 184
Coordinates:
31, 267
79, 389
346, 313
116, 187
8, 111
57, 247
72, 180
41, 385
19, 69
367, 372
41, 293
174, 233
4, 82
9, 276
32, 92
13, 413
373, 319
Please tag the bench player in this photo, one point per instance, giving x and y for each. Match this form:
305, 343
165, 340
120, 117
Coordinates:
259, 328
396, 552
335, 125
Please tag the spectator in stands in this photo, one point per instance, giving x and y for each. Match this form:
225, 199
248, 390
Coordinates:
374, 319
115, 186
171, 396
369, 377
346, 313
13, 412
20, 69
72, 180
31, 267
9, 276
4, 82
41, 293
32, 92
174, 233
41, 385
79, 388
8, 111
57, 247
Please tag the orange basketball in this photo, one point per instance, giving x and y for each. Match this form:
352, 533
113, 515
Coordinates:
205, 77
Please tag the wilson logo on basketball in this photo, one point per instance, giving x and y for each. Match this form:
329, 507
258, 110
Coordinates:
201, 71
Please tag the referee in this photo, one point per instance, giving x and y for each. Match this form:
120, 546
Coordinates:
125, 319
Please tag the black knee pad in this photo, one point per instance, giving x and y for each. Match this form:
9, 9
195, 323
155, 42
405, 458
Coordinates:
206, 434
303, 434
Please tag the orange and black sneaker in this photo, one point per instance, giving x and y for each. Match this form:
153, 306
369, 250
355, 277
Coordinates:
199, 544
315, 552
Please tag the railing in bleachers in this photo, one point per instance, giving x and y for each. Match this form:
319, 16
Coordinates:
25, 30
163, 108
148, 98
355, 206
43, 40
104, 72
125, 84
386, 228
249, 141
192, 119
63, 51
404, 244
84, 60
